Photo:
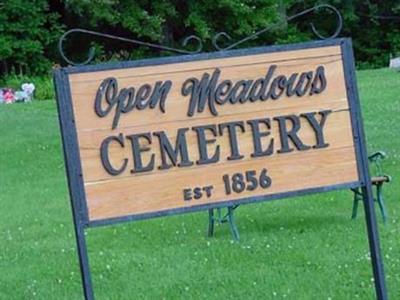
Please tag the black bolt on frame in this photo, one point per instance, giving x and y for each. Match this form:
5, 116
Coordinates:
72, 158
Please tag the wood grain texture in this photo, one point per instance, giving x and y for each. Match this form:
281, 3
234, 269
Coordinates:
128, 194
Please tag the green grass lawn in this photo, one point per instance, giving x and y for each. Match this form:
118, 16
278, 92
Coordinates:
302, 248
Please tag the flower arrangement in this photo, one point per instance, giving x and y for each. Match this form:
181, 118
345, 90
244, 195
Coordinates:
8, 95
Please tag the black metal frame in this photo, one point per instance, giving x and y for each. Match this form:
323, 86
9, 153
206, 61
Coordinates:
74, 169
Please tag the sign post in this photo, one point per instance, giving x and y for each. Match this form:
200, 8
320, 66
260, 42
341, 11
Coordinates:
171, 135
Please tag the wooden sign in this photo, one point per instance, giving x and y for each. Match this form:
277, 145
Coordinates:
178, 134
168, 135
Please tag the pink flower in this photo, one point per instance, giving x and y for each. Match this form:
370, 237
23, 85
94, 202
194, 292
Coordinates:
8, 96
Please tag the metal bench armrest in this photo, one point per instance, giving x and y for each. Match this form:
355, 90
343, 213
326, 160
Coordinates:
377, 158
379, 155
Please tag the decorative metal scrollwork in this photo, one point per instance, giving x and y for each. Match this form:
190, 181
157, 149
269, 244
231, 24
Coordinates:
339, 24
91, 52
194, 38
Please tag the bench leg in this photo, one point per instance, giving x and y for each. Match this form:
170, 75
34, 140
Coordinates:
234, 230
356, 199
211, 222
223, 219
379, 198
220, 218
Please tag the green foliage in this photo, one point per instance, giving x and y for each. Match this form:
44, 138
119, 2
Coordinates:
27, 30
373, 26
169, 22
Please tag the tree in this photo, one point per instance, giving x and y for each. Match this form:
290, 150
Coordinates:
169, 22
27, 31
373, 26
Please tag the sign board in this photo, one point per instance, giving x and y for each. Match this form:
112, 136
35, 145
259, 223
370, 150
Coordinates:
177, 134
168, 135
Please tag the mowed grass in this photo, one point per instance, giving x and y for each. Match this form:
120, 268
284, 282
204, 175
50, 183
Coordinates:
300, 248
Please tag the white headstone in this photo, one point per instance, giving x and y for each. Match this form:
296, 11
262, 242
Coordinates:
395, 63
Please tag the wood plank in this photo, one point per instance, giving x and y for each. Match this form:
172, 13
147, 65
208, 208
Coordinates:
338, 134
83, 93
293, 55
139, 195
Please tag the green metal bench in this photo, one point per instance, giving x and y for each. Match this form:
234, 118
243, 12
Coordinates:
378, 181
